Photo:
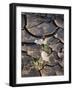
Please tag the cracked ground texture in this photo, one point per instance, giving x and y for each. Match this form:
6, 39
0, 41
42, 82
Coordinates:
34, 27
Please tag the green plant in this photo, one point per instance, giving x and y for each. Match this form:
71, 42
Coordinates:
45, 47
38, 63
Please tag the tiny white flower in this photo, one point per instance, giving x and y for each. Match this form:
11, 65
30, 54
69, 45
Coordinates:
40, 41
56, 35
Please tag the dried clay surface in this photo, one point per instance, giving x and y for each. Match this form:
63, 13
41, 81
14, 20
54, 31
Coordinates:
41, 27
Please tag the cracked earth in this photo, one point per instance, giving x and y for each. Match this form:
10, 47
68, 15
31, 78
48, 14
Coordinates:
35, 27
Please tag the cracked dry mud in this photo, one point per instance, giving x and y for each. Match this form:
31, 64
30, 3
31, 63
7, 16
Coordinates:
42, 24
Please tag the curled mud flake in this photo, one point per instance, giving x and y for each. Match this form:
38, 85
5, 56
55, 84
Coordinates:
32, 73
61, 54
59, 21
60, 72
26, 70
47, 71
